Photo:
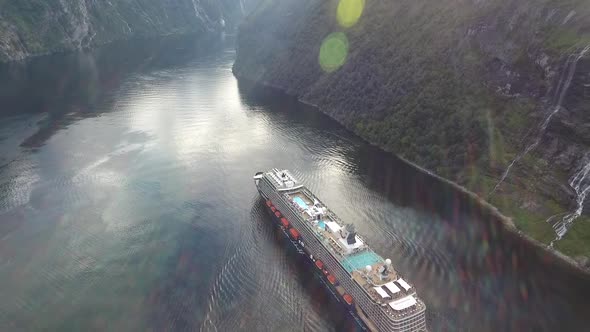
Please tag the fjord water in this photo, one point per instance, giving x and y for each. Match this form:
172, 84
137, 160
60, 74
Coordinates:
127, 203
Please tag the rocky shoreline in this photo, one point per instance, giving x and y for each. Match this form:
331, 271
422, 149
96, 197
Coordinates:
30, 28
506, 222
500, 109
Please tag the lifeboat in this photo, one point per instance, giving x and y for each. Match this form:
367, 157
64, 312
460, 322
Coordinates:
348, 299
273, 209
294, 233
268, 203
332, 279
285, 222
278, 214
319, 264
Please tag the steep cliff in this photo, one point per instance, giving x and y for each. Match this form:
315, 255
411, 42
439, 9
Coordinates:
493, 94
33, 27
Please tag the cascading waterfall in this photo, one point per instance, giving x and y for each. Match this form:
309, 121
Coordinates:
562, 87
242, 7
528, 148
200, 15
580, 182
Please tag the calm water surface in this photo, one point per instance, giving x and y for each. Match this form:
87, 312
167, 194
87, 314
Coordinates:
126, 203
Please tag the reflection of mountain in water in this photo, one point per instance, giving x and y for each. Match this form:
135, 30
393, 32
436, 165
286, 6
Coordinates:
457, 249
69, 86
146, 216
491, 94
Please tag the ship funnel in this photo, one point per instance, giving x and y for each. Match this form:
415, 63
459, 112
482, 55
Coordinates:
351, 236
386, 267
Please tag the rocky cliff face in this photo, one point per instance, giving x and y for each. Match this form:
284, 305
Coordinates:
493, 94
33, 27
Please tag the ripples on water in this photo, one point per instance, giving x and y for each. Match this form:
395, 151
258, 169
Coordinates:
127, 203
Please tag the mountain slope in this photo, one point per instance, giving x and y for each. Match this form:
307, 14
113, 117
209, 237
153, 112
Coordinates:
32, 27
493, 94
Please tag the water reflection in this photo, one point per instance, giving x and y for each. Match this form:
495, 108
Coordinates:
470, 270
68, 87
135, 209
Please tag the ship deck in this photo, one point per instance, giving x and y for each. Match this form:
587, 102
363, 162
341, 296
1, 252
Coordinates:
375, 276
327, 227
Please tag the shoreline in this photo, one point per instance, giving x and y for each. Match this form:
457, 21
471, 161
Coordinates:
505, 221
27, 57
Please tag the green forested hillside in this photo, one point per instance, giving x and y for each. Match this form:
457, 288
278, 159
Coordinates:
31, 27
461, 88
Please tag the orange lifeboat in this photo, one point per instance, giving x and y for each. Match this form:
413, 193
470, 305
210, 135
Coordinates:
348, 299
268, 203
278, 214
273, 209
294, 233
319, 264
332, 279
285, 222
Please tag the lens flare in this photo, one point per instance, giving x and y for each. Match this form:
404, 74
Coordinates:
333, 51
349, 12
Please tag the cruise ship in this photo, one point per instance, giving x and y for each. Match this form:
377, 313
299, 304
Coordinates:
375, 295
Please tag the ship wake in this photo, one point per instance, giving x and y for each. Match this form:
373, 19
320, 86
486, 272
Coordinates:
255, 289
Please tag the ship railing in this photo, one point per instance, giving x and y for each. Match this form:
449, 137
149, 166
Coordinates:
310, 219
359, 249
405, 312
399, 295
334, 217
293, 209
294, 206
336, 246
376, 312
330, 214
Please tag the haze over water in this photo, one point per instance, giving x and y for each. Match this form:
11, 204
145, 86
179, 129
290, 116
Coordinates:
127, 203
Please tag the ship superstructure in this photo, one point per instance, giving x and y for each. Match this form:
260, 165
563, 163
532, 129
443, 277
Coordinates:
367, 283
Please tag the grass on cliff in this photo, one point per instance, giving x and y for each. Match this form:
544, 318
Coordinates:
533, 222
564, 39
530, 222
427, 104
25, 15
572, 34
577, 240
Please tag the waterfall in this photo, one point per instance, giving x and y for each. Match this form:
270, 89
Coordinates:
580, 182
202, 16
196, 9
565, 81
528, 148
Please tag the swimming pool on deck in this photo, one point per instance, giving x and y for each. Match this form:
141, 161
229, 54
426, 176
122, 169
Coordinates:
353, 262
300, 202
360, 260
